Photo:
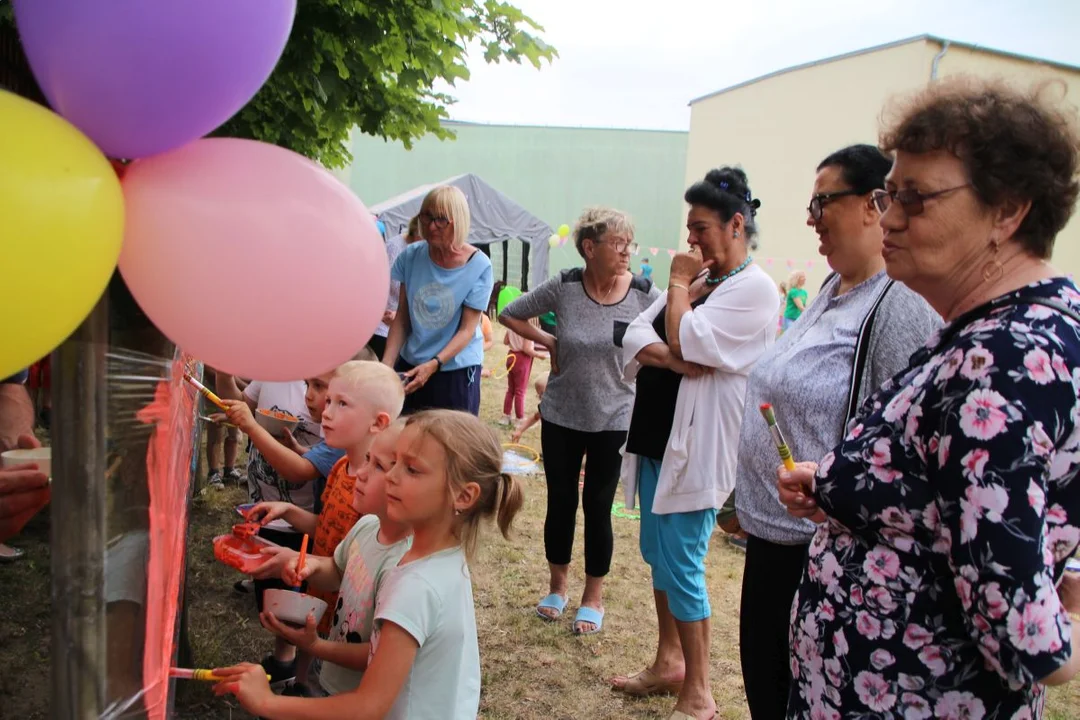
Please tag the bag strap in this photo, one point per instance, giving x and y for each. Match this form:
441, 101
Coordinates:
862, 353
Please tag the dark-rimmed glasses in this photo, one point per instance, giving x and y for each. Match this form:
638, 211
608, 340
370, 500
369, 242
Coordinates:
816, 208
620, 246
441, 221
910, 199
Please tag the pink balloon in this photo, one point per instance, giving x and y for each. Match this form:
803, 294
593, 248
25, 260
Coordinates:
252, 258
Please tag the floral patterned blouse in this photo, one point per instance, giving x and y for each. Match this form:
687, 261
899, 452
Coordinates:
952, 507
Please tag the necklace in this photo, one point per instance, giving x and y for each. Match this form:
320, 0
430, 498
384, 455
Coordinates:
709, 280
603, 300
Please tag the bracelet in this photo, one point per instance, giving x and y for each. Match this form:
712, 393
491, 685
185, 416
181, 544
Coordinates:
678, 285
437, 362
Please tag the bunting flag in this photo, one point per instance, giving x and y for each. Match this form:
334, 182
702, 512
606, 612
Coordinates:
671, 253
809, 263
654, 250
790, 263
768, 261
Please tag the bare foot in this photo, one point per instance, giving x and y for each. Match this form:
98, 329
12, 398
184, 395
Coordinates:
650, 682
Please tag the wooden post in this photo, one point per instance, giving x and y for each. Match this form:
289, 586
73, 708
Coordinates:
78, 520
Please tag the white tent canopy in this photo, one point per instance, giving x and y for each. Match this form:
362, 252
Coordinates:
495, 219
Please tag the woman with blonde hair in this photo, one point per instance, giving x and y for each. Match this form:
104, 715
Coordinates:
586, 409
445, 286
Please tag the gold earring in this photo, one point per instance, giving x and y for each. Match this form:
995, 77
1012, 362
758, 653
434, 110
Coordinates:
993, 270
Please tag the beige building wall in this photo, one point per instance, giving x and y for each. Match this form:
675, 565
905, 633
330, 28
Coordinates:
780, 127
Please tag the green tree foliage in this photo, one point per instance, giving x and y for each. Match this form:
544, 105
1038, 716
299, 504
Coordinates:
373, 65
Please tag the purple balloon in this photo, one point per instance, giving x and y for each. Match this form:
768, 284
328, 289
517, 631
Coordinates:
140, 77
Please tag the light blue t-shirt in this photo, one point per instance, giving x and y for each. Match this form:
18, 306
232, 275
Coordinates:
436, 298
431, 599
646, 271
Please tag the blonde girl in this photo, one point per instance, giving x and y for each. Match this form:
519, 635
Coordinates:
423, 661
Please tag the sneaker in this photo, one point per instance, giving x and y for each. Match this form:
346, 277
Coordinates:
505, 421
214, 480
278, 671
233, 475
244, 586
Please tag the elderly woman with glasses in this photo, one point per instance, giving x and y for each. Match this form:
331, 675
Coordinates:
445, 285
586, 409
856, 334
935, 582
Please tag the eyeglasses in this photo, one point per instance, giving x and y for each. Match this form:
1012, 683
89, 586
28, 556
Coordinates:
441, 221
910, 199
819, 201
621, 245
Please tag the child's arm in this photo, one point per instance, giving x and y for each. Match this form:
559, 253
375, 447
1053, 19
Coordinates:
350, 655
378, 689
528, 423
321, 573
299, 518
291, 466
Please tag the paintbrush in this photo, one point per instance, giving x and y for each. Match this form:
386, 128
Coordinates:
300, 561
203, 675
206, 392
777, 436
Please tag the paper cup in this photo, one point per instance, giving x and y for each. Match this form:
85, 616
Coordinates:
42, 457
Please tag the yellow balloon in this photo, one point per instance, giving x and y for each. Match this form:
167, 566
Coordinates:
61, 226
564, 230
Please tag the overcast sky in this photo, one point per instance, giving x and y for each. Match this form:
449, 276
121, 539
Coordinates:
634, 64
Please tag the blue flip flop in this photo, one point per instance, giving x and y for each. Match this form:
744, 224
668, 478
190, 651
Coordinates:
589, 615
552, 602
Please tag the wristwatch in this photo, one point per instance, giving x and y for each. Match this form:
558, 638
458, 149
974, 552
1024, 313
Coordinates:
437, 362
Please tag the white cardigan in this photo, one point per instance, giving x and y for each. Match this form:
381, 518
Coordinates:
728, 332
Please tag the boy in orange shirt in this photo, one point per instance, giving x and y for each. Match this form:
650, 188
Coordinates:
375, 390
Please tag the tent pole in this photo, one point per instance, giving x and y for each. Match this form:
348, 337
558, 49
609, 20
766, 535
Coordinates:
526, 251
78, 520
506, 260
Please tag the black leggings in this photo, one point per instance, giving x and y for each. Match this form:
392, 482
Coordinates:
770, 580
563, 450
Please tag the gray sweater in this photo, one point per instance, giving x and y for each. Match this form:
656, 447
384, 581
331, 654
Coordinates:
806, 377
588, 393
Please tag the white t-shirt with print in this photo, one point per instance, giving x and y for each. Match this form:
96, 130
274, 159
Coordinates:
363, 562
431, 599
264, 483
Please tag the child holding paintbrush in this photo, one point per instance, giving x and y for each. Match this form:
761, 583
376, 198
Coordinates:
363, 398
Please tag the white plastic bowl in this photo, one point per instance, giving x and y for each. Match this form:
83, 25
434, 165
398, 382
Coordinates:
273, 425
42, 457
293, 607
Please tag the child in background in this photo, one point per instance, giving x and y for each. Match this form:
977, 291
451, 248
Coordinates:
424, 661
541, 386
371, 549
517, 380
373, 392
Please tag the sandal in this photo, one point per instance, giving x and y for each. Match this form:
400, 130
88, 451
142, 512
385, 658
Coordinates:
9, 554
555, 602
589, 615
677, 715
646, 684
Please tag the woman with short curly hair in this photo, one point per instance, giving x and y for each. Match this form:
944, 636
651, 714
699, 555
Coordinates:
935, 585
586, 409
